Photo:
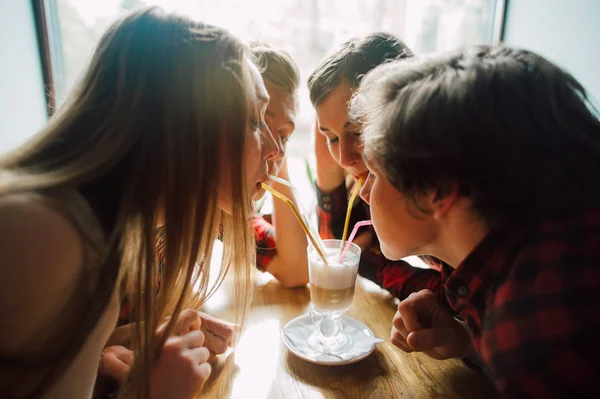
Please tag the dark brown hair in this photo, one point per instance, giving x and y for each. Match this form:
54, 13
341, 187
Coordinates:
352, 60
514, 131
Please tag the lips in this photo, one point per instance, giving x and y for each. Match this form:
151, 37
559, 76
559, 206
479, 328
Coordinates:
260, 182
364, 176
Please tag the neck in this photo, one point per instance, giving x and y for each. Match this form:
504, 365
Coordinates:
460, 233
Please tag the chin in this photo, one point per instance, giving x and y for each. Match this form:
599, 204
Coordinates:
392, 253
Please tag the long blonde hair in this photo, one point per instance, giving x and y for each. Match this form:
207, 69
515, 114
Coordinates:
162, 106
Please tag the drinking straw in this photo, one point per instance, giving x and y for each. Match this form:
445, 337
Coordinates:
298, 217
300, 207
350, 204
353, 234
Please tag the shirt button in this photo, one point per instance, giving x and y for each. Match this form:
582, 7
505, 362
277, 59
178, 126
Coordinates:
462, 291
326, 207
326, 200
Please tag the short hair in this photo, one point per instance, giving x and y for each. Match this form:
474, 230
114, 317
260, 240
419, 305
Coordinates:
352, 60
276, 66
515, 132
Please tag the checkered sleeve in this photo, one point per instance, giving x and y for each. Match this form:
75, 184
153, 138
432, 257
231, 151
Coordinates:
540, 334
331, 212
266, 249
402, 279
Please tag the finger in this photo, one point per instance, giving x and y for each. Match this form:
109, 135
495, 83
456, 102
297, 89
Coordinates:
199, 355
188, 320
429, 338
400, 344
219, 327
126, 356
398, 340
193, 339
116, 349
415, 308
398, 324
203, 371
114, 367
120, 352
215, 344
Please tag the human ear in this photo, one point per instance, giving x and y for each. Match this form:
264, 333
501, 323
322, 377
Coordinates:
442, 199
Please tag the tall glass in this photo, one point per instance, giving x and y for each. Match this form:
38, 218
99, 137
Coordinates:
331, 294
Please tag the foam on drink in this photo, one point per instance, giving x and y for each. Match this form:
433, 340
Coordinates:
332, 285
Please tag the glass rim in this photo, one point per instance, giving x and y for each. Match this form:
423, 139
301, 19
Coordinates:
310, 249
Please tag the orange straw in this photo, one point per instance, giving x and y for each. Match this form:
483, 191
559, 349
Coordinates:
289, 203
350, 205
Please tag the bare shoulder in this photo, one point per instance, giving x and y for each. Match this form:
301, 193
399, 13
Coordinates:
40, 259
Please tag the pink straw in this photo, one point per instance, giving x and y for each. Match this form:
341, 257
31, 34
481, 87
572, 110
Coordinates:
353, 234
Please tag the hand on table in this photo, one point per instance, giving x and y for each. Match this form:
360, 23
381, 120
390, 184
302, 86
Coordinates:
421, 324
182, 368
219, 334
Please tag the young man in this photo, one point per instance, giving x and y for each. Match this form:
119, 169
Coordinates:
338, 150
489, 159
284, 256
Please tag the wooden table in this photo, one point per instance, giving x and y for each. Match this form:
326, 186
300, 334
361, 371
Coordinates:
262, 367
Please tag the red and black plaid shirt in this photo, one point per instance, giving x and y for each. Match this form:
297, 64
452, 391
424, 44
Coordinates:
531, 298
398, 277
266, 249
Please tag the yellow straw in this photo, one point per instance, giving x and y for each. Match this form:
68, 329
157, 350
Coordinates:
350, 204
302, 211
298, 216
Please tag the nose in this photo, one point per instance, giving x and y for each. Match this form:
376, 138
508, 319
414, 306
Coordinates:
365, 191
272, 148
349, 156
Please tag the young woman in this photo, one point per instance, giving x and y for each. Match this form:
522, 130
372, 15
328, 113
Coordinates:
338, 149
284, 257
489, 159
165, 128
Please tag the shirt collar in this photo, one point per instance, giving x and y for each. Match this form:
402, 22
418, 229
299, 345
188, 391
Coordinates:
477, 273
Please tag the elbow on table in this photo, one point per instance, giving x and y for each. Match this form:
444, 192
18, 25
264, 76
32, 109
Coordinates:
292, 281
290, 274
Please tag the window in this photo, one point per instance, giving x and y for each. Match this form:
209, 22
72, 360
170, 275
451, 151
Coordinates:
308, 29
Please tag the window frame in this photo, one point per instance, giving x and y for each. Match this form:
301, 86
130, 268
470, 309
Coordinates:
43, 39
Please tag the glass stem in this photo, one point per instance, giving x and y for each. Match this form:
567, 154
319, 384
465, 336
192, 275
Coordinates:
330, 326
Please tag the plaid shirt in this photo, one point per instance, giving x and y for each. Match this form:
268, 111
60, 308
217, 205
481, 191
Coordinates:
530, 297
398, 277
265, 242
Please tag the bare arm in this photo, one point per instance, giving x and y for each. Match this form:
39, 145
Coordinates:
330, 175
40, 260
289, 265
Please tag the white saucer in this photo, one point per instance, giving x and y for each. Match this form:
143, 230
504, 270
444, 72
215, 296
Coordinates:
301, 328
